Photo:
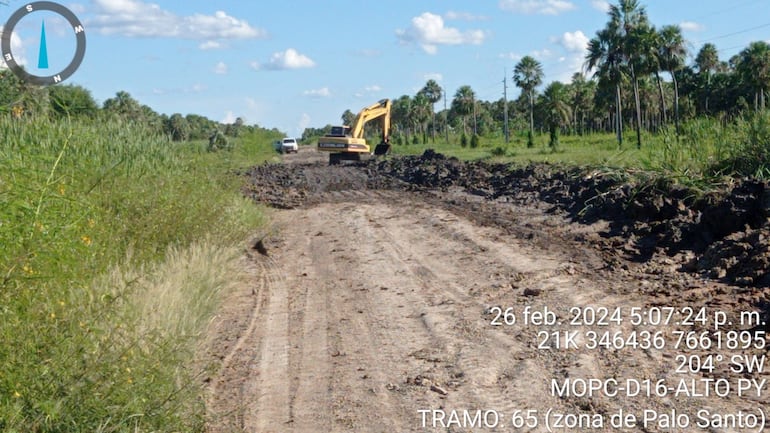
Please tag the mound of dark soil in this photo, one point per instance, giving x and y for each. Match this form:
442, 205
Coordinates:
727, 231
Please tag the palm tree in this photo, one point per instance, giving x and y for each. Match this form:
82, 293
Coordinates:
348, 118
433, 93
707, 62
556, 110
582, 92
628, 20
528, 74
177, 127
400, 114
671, 53
420, 113
707, 59
124, 105
463, 103
754, 67
605, 55
649, 47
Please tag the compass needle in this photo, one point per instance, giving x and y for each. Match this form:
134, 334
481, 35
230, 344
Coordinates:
42, 60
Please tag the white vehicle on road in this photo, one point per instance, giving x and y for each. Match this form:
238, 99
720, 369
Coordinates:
287, 145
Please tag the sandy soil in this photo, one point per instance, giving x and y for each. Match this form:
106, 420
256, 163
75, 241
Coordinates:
375, 311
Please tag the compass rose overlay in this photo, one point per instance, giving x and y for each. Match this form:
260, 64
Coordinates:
77, 28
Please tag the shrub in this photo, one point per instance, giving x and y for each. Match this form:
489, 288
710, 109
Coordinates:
464, 140
475, 141
218, 141
499, 151
553, 140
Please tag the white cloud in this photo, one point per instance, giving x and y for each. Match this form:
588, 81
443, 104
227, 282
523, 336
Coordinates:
253, 109
195, 88
543, 54
136, 18
601, 5
368, 90
323, 92
511, 56
464, 16
691, 26
428, 31
289, 59
220, 68
304, 122
433, 76
17, 47
211, 45
541, 7
575, 42
576, 45
229, 118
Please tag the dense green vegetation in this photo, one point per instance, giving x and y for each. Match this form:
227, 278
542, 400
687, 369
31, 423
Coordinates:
72, 101
705, 152
118, 241
636, 80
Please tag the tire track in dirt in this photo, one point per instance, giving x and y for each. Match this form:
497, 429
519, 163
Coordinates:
267, 397
251, 302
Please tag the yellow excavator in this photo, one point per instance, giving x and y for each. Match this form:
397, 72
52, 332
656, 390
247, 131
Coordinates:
347, 143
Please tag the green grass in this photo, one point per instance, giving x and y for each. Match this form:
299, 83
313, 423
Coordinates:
706, 151
116, 248
595, 149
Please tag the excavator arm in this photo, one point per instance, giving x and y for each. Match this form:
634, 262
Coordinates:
370, 113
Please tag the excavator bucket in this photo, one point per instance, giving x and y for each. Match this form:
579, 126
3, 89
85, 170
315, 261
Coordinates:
382, 149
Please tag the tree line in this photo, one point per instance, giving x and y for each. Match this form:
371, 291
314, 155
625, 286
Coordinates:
623, 83
20, 99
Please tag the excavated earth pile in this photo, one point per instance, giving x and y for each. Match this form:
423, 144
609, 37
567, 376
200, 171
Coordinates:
722, 235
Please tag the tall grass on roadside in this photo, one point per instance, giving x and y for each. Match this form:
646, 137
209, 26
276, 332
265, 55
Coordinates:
749, 153
687, 158
710, 149
115, 246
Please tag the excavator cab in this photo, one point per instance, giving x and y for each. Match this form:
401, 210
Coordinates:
340, 131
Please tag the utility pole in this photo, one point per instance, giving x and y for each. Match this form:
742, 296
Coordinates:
446, 119
475, 124
505, 107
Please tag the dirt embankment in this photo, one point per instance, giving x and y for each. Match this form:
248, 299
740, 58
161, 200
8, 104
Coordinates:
385, 301
722, 235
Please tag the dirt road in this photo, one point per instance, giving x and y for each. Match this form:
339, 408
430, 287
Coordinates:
379, 310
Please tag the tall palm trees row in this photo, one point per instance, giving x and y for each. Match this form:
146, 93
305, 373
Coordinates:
627, 57
629, 47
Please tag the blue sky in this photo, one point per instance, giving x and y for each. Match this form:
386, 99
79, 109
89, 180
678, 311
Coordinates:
301, 63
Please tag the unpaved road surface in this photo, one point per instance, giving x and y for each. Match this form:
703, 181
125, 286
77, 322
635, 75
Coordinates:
380, 309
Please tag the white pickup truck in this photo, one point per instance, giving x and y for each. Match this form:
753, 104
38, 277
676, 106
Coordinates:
287, 145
